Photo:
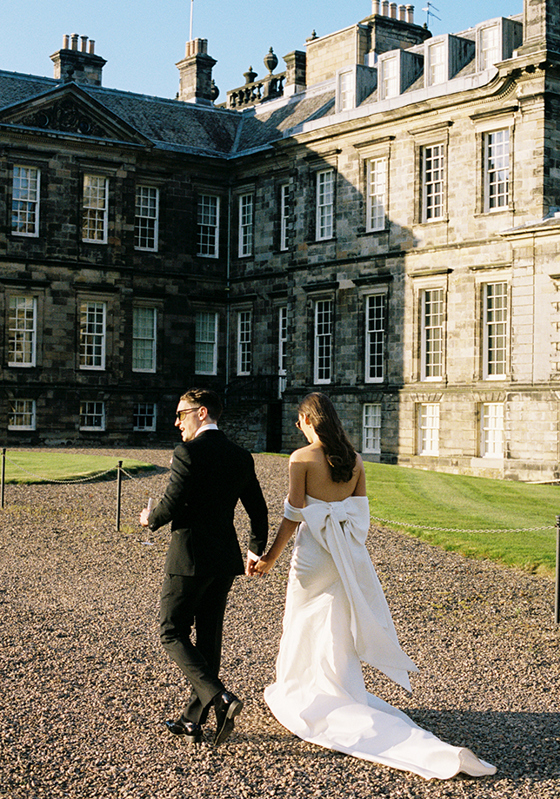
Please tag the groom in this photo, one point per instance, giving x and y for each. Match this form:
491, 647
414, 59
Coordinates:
209, 474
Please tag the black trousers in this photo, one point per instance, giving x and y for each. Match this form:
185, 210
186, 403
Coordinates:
197, 603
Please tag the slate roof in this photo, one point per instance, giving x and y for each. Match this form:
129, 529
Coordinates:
179, 126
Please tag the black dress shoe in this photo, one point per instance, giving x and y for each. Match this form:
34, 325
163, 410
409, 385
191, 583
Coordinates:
227, 707
189, 729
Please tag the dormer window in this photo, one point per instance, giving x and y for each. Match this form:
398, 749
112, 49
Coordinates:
397, 71
437, 63
390, 83
496, 39
490, 50
346, 93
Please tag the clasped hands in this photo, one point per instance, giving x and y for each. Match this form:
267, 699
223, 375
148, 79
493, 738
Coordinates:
259, 568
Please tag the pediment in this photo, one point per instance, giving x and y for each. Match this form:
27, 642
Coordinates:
71, 111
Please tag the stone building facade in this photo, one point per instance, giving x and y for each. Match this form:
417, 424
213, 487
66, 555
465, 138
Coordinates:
380, 221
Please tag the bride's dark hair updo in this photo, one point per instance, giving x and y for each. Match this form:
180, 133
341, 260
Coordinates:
339, 452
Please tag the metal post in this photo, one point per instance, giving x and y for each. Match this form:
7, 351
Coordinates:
557, 592
3, 479
119, 483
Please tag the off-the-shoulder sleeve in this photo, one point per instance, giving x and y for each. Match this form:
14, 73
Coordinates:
291, 513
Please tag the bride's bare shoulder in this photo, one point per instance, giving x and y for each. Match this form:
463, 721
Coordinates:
301, 455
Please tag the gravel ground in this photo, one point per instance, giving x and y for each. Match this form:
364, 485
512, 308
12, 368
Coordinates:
86, 685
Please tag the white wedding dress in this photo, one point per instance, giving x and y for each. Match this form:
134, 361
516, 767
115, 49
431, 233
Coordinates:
336, 616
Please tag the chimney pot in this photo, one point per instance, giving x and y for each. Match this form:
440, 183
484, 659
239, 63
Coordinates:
92, 47
393, 7
410, 14
74, 38
375, 6
402, 13
84, 43
385, 7
65, 42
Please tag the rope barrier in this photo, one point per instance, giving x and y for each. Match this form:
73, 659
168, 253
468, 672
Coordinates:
62, 482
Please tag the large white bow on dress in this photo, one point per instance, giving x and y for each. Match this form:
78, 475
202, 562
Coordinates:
341, 528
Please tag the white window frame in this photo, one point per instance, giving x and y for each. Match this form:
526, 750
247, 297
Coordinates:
497, 169
427, 416
22, 409
147, 411
208, 225
206, 340
282, 348
323, 341
346, 95
492, 430
92, 409
22, 331
244, 341
433, 182
146, 220
432, 333
390, 77
95, 210
437, 68
324, 218
371, 428
144, 338
93, 335
284, 215
495, 301
246, 221
26, 200
489, 53
376, 333
376, 194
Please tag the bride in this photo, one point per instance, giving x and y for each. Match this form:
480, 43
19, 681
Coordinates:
336, 615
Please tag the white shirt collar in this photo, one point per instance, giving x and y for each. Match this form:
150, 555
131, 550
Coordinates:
203, 428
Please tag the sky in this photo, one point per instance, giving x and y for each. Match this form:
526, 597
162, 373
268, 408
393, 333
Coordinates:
143, 40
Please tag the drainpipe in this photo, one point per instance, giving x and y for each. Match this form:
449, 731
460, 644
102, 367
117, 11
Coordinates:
228, 262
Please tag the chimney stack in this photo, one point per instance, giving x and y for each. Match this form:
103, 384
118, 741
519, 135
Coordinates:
195, 74
78, 65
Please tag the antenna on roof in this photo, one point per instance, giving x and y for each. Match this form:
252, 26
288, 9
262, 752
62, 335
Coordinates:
430, 13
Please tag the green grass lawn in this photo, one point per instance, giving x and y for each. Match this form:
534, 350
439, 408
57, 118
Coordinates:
493, 516
49, 466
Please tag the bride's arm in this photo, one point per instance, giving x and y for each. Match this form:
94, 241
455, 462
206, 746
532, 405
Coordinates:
296, 498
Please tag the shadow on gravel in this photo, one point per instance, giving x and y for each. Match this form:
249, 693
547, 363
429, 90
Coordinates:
518, 743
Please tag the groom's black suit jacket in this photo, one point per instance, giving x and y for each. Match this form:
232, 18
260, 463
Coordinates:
208, 476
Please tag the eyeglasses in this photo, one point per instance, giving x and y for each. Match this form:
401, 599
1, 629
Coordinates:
298, 424
182, 414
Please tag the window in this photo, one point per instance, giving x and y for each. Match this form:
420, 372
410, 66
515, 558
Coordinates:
92, 335
390, 77
95, 211
433, 165
492, 430
495, 329
244, 340
325, 204
375, 338
428, 428
22, 331
496, 168
144, 326
490, 46
284, 215
92, 416
282, 345
245, 225
371, 428
144, 417
146, 221
437, 56
432, 334
345, 91
323, 341
208, 225
25, 201
206, 343
376, 193
22, 415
